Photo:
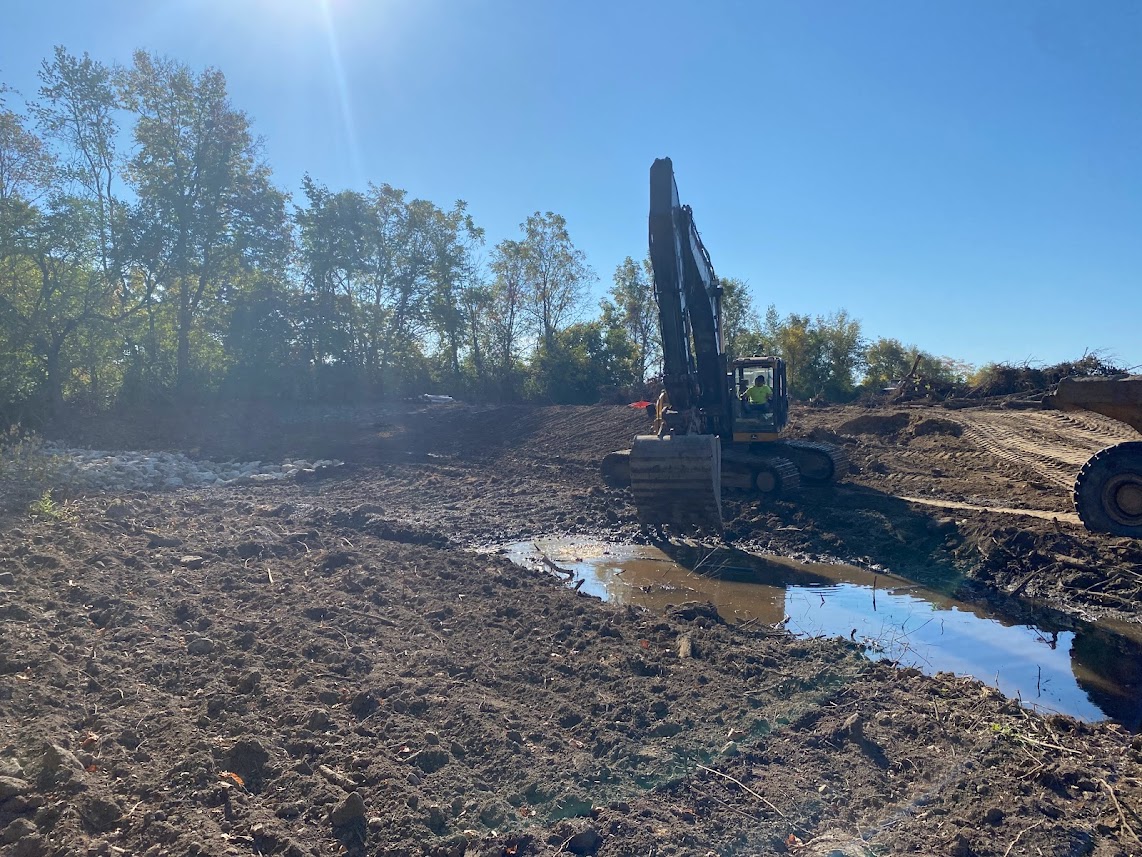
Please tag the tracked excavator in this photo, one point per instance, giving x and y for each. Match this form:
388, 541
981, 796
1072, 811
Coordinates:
1108, 489
708, 436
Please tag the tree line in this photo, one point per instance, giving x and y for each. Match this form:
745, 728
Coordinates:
147, 256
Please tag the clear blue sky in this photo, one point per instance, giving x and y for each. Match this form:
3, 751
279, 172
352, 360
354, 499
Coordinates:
965, 176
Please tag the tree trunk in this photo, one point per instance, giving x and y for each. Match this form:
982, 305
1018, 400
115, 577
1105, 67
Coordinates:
54, 378
182, 365
94, 387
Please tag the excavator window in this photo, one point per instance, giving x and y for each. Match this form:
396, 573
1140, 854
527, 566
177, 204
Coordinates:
747, 375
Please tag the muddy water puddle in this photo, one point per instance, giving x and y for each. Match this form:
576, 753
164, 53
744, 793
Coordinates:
1084, 670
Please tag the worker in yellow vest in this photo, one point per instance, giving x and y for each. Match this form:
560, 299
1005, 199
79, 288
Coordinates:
759, 394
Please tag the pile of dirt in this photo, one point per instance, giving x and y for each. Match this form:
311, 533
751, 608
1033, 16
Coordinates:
876, 423
937, 425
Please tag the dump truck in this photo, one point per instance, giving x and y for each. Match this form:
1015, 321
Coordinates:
1108, 488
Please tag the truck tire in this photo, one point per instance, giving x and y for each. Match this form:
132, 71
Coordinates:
1108, 491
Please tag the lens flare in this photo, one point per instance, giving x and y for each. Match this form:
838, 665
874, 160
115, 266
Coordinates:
342, 88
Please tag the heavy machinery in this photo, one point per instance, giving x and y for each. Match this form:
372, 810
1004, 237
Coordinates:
1108, 489
707, 438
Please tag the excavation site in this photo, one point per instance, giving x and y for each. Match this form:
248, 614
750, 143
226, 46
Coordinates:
415, 646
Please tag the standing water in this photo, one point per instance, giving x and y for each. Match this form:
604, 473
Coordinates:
1085, 670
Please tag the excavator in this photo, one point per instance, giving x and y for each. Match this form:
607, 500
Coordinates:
1108, 489
708, 436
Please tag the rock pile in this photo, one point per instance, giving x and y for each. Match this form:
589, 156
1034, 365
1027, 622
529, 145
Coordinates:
93, 469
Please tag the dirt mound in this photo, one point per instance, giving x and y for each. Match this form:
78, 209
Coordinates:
878, 424
937, 425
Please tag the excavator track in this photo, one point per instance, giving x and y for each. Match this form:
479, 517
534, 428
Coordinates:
750, 473
818, 463
676, 480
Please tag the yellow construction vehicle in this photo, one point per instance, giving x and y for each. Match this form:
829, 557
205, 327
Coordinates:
708, 433
1108, 489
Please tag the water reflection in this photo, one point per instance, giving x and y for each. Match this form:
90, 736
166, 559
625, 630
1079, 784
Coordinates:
1085, 670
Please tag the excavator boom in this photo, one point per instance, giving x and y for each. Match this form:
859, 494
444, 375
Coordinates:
675, 476
689, 302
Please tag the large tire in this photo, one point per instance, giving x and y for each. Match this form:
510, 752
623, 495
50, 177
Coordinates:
1108, 491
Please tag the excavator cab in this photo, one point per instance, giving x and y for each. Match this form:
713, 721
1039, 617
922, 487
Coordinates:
755, 423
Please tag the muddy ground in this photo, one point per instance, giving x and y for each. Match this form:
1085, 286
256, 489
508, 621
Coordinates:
326, 667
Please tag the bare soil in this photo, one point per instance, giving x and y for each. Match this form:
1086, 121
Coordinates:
328, 667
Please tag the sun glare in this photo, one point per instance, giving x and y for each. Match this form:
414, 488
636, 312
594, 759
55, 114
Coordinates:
317, 21
343, 93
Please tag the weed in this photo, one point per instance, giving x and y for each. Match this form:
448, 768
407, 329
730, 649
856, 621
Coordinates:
26, 470
46, 508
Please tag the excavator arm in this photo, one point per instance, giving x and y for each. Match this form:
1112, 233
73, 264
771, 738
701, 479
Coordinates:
676, 475
689, 307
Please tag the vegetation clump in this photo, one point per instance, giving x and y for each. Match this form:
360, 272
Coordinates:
27, 471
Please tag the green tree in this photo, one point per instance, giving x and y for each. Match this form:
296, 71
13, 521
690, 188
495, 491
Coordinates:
823, 355
27, 169
475, 299
505, 307
576, 366
556, 275
78, 110
454, 273
261, 344
630, 319
46, 282
206, 208
888, 360
790, 339
838, 357
741, 328
387, 274
52, 289
422, 259
337, 234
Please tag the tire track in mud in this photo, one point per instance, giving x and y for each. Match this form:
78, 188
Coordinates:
1095, 425
1043, 514
1051, 444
